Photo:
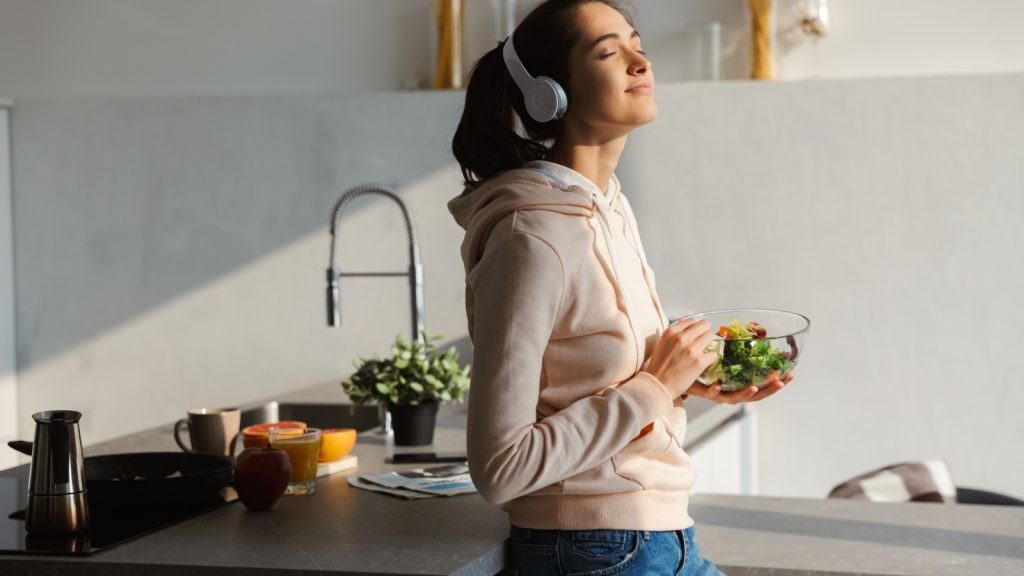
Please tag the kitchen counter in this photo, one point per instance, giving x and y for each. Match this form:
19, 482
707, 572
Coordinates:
344, 530
759, 536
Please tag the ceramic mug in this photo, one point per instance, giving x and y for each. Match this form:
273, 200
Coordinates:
211, 430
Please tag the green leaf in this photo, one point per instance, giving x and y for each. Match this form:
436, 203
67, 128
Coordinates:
415, 371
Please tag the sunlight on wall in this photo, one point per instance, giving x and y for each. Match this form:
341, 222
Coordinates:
260, 330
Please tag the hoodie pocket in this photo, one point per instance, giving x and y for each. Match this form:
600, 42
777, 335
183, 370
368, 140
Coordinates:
607, 478
654, 462
635, 461
659, 463
675, 423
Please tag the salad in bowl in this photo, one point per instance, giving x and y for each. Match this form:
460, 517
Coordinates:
753, 346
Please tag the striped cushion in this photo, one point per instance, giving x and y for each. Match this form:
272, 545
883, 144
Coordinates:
927, 481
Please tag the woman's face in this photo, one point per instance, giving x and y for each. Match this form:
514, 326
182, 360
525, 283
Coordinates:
611, 83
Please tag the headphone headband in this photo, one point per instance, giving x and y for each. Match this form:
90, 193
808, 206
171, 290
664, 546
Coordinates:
515, 65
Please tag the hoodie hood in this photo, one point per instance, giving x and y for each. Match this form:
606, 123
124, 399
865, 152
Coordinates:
545, 186
478, 209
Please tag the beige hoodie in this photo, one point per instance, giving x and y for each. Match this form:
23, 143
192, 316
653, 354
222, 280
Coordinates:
563, 315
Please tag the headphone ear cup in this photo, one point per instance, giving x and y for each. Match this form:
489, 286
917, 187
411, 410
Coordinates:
545, 100
562, 101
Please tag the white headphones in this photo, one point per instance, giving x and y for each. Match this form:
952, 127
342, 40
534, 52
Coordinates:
545, 99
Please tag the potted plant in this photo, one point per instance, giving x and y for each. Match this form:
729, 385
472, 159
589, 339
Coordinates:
412, 381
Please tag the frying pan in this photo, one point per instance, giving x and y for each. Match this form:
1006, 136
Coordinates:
151, 478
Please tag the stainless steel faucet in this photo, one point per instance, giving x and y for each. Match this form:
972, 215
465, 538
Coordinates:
414, 273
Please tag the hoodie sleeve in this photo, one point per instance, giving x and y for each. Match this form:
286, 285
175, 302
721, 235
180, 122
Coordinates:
517, 289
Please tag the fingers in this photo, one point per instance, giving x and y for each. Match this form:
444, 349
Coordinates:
771, 387
767, 390
704, 340
686, 334
749, 394
709, 392
681, 324
715, 394
687, 324
738, 396
697, 333
697, 328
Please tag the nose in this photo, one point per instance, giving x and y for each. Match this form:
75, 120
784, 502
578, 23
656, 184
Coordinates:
640, 64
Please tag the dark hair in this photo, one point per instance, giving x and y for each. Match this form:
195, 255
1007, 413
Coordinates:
487, 140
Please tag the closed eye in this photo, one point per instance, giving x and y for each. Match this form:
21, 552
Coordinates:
610, 54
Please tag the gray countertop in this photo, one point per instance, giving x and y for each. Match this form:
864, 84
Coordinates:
344, 530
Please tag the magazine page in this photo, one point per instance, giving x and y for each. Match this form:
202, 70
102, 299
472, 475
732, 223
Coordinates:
358, 482
447, 480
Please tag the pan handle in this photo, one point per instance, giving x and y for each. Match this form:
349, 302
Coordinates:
21, 446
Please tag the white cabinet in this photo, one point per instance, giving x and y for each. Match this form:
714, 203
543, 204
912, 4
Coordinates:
8, 373
725, 459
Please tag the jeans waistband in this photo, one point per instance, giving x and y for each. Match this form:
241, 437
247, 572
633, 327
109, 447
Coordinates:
552, 535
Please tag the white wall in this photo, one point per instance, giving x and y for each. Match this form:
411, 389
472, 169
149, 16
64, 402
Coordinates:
101, 48
131, 48
8, 371
171, 249
877, 38
888, 212
171, 252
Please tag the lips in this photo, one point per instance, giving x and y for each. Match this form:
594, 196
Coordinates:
641, 88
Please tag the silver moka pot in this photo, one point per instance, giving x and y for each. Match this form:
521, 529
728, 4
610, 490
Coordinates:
56, 490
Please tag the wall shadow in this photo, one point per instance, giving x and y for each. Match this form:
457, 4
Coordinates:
123, 205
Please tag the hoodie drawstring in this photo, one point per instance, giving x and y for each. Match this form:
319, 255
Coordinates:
606, 230
631, 223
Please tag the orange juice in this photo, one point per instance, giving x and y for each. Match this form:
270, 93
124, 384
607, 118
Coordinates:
302, 447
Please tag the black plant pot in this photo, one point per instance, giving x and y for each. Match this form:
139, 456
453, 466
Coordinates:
413, 425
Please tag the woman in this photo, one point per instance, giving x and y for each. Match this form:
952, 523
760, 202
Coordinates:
576, 417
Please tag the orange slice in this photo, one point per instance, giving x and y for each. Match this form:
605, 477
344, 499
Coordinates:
336, 443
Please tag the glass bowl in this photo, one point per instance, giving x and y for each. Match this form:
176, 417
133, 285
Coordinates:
748, 354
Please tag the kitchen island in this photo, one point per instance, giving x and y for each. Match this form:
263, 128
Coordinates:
346, 531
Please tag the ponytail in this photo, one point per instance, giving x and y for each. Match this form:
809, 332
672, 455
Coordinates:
486, 141
489, 139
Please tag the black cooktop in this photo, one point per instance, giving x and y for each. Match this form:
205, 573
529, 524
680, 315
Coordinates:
108, 526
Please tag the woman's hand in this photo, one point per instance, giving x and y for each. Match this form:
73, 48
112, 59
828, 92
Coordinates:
680, 355
751, 394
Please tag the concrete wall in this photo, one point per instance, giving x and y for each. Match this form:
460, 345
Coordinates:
130, 48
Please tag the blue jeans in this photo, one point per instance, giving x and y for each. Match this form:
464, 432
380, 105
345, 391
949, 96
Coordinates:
606, 552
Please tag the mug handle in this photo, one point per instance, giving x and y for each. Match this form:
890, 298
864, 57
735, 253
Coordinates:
234, 443
177, 432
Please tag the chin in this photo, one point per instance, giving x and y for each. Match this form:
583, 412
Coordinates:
653, 115
647, 115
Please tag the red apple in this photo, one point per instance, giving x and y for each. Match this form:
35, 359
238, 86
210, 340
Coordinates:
261, 476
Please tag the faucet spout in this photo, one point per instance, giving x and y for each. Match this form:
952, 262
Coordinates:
414, 271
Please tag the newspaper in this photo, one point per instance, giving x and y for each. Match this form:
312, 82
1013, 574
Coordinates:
447, 480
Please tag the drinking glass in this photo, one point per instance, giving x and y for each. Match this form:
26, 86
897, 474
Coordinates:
302, 446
